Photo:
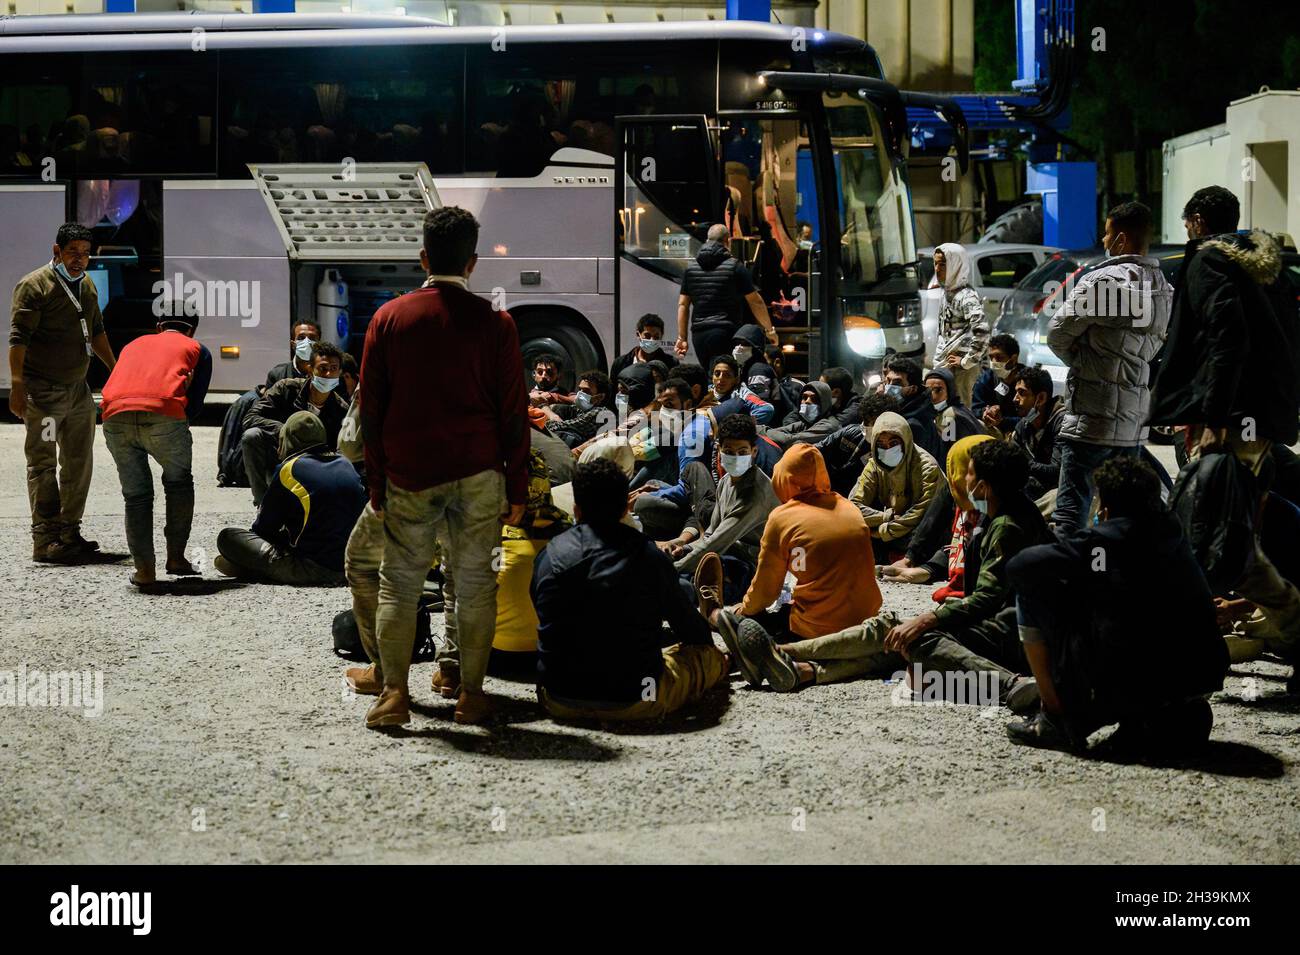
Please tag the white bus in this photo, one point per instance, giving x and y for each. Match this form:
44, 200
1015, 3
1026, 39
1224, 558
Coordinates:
266, 166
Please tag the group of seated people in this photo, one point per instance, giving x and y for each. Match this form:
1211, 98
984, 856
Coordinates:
772, 530
738, 500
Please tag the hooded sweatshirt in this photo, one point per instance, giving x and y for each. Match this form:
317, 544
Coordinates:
1233, 340
893, 500
828, 420
756, 373
821, 539
949, 563
1113, 323
716, 285
963, 327
955, 421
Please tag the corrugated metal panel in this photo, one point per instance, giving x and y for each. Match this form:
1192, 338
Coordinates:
371, 212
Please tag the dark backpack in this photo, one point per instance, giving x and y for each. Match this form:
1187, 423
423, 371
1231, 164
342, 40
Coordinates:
347, 636
230, 454
1214, 499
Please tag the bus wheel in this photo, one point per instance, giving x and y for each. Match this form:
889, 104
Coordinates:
549, 335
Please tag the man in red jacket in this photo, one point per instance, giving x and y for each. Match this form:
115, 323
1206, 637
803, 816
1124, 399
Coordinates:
155, 390
445, 427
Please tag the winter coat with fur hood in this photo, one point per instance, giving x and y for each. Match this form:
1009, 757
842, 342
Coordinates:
1113, 322
1232, 352
893, 500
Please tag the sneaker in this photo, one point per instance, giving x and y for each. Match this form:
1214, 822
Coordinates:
473, 708
393, 708
362, 680
728, 626
1022, 697
446, 681
708, 584
757, 644
1042, 731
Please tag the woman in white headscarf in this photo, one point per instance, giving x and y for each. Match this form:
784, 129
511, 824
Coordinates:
963, 328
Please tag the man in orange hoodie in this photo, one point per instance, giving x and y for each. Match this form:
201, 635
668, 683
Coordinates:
821, 540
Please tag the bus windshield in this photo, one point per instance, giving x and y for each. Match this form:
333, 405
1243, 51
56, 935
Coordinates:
878, 249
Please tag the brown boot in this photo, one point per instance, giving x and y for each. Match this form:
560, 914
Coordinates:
473, 708
393, 708
362, 680
446, 681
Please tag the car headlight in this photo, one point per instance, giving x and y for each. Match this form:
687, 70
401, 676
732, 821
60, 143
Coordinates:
865, 336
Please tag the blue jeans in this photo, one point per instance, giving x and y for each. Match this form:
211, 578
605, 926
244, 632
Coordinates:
1076, 487
133, 437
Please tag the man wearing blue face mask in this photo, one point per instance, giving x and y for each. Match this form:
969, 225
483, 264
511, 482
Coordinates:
317, 393
55, 328
896, 486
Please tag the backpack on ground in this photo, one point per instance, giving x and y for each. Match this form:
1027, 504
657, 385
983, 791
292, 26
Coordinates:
347, 636
230, 453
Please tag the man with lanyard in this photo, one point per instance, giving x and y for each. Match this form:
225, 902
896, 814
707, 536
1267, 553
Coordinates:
55, 328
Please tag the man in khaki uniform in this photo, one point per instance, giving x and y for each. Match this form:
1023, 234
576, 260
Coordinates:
55, 327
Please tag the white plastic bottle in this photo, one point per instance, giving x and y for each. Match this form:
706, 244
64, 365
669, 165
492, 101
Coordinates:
332, 309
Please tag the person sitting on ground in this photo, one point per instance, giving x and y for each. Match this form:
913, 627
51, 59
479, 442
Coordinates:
830, 405
602, 593
302, 527
592, 410
303, 336
881, 644
1039, 425
993, 399
634, 398
748, 348
938, 548
724, 371
819, 539
896, 486
152, 395
952, 420
547, 370
745, 498
316, 394
905, 382
790, 386
1084, 663
679, 483
650, 346
847, 450
610, 448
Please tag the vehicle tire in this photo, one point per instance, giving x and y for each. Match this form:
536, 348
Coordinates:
1020, 223
548, 333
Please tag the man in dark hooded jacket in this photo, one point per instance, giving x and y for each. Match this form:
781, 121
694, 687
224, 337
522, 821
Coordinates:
952, 419
1101, 650
1230, 371
716, 292
747, 348
905, 382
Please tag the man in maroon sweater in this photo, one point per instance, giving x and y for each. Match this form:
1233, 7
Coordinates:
445, 427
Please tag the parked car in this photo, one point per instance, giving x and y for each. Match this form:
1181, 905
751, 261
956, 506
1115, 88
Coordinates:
997, 266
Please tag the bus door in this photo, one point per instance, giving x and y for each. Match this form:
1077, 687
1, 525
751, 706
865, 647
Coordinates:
667, 194
770, 186
32, 213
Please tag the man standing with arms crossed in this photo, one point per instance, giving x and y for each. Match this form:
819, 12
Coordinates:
55, 327
445, 427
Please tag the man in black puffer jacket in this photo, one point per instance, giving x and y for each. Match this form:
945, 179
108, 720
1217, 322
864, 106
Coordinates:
717, 290
1230, 371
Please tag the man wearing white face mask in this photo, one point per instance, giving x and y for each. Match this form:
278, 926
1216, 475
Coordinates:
649, 346
745, 498
317, 394
896, 486
305, 334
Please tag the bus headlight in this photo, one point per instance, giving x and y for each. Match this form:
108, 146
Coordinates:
865, 336
909, 313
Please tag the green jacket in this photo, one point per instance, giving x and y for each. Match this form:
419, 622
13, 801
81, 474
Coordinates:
993, 543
